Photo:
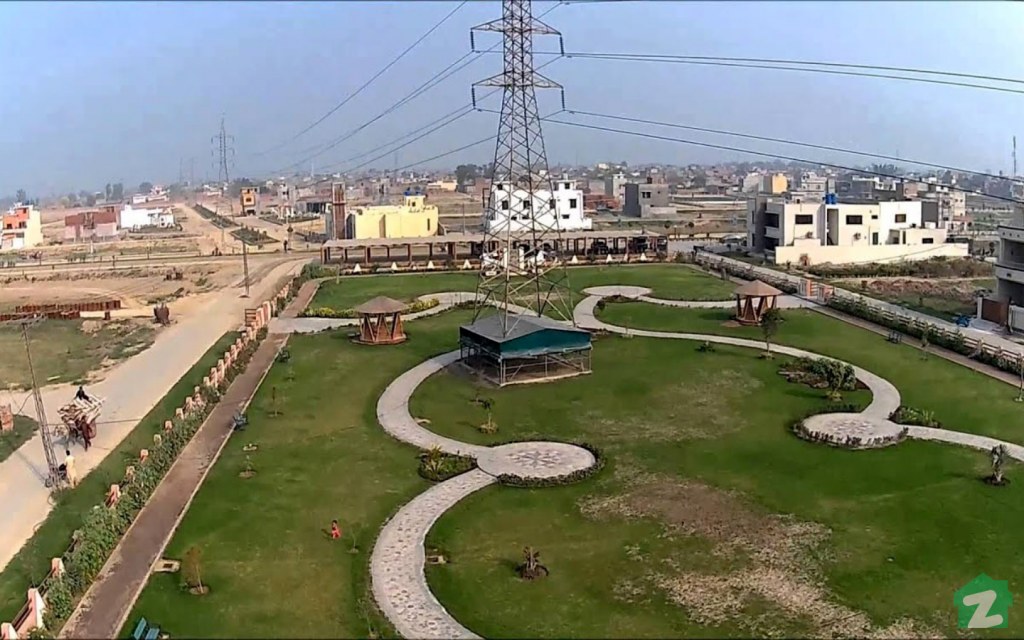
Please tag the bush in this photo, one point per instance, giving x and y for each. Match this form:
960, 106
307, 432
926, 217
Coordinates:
329, 312
191, 568
914, 416
437, 466
820, 373
931, 268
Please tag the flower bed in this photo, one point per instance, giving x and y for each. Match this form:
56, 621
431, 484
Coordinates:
329, 312
438, 466
914, 416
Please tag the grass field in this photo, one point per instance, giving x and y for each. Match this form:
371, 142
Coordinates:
66, 351
709, 519
676, 282
53, 536
710, 503
10, 441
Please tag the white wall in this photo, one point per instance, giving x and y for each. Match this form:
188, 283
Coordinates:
817, 254
568, 207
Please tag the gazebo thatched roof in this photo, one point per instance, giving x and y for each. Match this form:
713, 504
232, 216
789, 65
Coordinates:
381, 306
757, 289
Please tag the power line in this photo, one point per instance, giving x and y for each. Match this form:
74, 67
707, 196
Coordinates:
724, 62
370, 81
453, 68
793, 142
810, 63
723, 147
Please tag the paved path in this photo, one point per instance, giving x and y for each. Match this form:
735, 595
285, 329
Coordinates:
108, 602
131, 390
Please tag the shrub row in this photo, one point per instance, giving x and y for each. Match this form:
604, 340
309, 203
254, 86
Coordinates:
103, 527
555, 481
217, 219
330, 312
438, 467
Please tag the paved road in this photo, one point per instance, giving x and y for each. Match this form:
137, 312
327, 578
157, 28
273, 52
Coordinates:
131, 389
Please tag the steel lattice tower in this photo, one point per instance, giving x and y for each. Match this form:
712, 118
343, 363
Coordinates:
225, 151
520, 265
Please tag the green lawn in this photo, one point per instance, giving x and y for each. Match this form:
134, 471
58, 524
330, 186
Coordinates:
10, 441
271, 568
53, 536
673, 281
63, 351
705, 487
952, 391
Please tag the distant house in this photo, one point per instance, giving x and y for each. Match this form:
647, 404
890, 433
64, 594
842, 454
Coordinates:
91, 225
21, 228
132, 218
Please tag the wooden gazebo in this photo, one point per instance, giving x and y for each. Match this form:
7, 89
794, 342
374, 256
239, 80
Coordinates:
753, 299
380, 321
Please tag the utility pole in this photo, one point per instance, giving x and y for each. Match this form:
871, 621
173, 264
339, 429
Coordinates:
1014, 157
245, 266
53, 479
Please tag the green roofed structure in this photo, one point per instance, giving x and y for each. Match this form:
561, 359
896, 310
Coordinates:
533, 348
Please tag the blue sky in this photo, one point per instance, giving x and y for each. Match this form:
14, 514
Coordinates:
97, 92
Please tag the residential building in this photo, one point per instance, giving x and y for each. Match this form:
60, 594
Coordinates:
448, 186
21, 228
411, 219
249, 199
562, 209
952, 204
751, 183
614, 185
810, 187
647, 200
91, 225
132, 218
1010, 264
775, 183
842, 232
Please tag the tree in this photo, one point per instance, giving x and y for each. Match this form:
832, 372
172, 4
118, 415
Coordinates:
466, 172
90, 199
838, 376
145, 187
489, 426
21, 196
191, 566
998, 454
770, 322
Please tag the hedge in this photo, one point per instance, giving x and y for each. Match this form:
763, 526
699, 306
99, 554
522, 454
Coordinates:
103, 528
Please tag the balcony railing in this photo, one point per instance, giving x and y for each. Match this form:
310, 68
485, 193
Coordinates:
1010, 264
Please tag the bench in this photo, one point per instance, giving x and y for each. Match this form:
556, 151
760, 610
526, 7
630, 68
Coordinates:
895, 337
140, 629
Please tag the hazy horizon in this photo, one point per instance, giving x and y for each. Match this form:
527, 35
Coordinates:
105, 92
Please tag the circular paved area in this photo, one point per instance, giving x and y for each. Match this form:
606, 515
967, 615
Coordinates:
535, 459
854, 430
617, 290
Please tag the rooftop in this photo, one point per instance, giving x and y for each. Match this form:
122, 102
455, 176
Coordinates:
521, 325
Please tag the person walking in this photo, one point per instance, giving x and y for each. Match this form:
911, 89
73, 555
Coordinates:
69, 468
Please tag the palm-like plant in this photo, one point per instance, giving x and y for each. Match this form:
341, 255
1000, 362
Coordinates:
490, 426
531, 568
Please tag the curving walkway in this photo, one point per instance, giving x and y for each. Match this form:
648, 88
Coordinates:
397, 563
446, 300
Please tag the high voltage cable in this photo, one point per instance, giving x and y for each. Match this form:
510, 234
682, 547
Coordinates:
794, 143
724, 62
371, 80
723, 147
439, 77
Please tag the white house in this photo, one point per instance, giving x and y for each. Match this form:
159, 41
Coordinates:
132, 218
815, 232
562, 210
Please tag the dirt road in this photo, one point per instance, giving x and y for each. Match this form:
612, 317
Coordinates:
131, 389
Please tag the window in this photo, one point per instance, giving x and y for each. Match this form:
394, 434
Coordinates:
566, 184
565, 216
771, 220
805, 218
854, 219
527, 205
874, 216
901, 217
428, 224
504, 205
927, 240
551, 203
646, 195
572, 203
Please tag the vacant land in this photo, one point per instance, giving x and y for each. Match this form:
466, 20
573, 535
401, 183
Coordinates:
940, 297
68, 351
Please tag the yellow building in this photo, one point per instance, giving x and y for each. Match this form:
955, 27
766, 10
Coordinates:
775, 184
412, 219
